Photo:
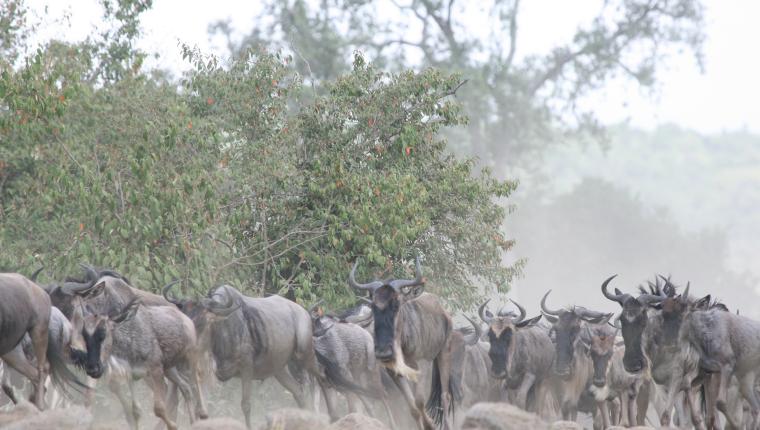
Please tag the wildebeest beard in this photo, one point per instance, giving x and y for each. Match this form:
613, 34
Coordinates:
498, 352
385, 307
90, 360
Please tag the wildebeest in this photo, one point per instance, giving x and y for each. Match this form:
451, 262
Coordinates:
350, 350
411, 325
728, 346
141, 341
572, 362
254, 338
25, 309
23, 359
477, 385
634, 321
521, 354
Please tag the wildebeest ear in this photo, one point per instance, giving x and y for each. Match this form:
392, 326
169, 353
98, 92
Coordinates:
657, 305
529, 322
412, 292
703, 303
552, 319
127, 313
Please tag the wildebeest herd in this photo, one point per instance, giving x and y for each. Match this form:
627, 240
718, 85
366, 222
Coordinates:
688, 358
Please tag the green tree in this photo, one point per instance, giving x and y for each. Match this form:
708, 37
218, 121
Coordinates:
241, 174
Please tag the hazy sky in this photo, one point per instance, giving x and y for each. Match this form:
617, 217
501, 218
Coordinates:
724, 97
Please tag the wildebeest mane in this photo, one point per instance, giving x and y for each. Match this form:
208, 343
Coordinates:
257, 329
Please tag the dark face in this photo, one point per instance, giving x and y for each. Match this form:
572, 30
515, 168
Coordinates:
633, 321
602, 347
566, 329
196, 312
92, 347
673, 311
385, 305
500, 336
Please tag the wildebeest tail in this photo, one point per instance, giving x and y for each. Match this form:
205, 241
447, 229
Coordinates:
60, 374
434, 405
336, 377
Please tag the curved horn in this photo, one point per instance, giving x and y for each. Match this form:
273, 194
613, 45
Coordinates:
90, 272
588, 314
546, 310
372, 286
36, 273
614, 297
486, 319
477, 327
522, 311
166, 292
74, 288
397, 284
221, 309
365, 300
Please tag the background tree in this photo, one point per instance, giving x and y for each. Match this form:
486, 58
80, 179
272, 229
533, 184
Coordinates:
517, 104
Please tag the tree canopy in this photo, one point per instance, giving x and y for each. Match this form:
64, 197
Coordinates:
239, 173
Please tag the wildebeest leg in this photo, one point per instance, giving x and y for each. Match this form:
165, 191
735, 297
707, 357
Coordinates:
158, 386
245, 399
179, 383
352, 401
17, 360
172, 404
747, 387
290, 384
522, 391
604, 412
419, 415
641, 397
722, 402
694, 409
712, 386
671, 391
329, 395
39, 335
127, 402
444, 368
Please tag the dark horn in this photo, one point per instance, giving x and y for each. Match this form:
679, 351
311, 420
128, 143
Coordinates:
36, 273
477, 327
90, 272
545, 309
418, 279
222, 309
685, 294
522, 311
481, 313
75, 288
372, 286
166, 291
614, 297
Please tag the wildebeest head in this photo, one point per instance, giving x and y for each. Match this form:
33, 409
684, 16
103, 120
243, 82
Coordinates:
219, 303
567, 325
387, 298
602, 346
673, 310
320, 322
633, 321
501, 333
92, 335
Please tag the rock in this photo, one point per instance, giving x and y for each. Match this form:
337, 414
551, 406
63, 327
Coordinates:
222, 423
70, 418
295, 419
566, 425
356, 421
19, 412
501, 416
631, 428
